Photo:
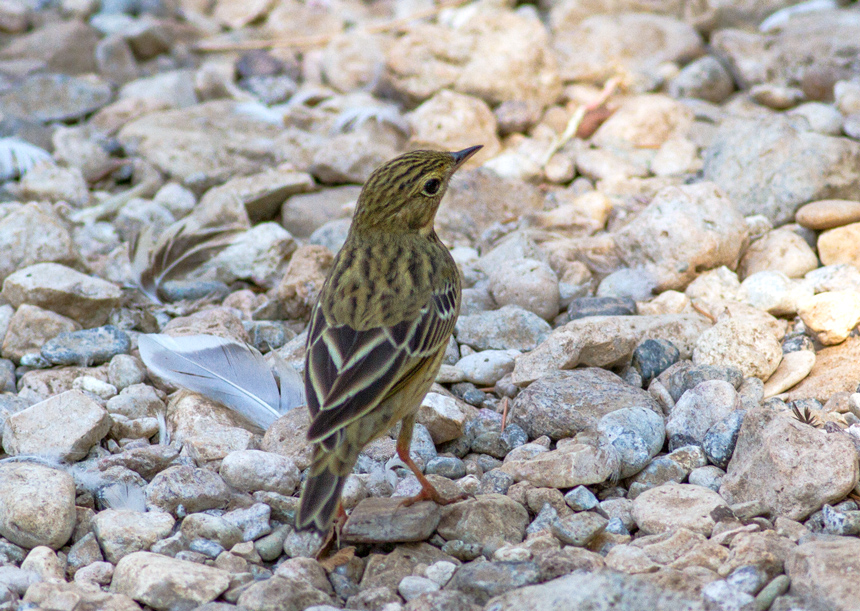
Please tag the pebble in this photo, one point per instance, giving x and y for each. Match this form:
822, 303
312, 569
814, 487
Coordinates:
123, 532
652, 357
793, 368
698, 409
720, 440
579, 528
125, 370
184, 489
446, 466
828, 214
481, 581
708, 476
779, 250
580, 499
676, 505
527, 283
839, 245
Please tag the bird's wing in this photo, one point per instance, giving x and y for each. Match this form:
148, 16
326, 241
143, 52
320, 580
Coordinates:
349, 372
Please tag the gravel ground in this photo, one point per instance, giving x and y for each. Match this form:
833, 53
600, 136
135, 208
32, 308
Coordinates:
650, 395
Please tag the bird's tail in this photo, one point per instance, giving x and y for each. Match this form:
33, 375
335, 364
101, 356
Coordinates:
323, 488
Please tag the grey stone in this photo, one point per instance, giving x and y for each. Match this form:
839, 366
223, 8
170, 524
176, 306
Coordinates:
580, 499
708, 476
381, 520
55, 97
252, 470
253, 521
719, 442
187, 488
87, 347
122, 532
579, 529
481, 581
636, 433
652, 357
698, 410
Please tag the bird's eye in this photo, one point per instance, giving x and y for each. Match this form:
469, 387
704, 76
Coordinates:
431, 187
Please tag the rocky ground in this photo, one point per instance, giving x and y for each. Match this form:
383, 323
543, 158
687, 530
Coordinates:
659, 244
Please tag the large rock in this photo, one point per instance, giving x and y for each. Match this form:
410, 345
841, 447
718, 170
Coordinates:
600, 341
121, 532
798, 166
672, 506
167, 583
564, 403
684, 231
37, 505
827, 571
594, 48
574, 464
487, 516
206, 144
836, 369
597, 591
63, 290
64, 426
792, 468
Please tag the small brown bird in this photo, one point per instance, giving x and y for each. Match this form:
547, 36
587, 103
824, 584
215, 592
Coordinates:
380, 327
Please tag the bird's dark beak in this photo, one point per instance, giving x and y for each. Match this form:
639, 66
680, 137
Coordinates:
460, 157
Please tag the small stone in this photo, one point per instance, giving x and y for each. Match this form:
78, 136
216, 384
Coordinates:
63, 290
65, 426
780, 250
380, 520
481, 581
167, 583
479, 519
446, 466
579, 529
601, 306
252, 521
580, 499
822, 118
44, 98
527, 283
652, 357
841, 522
125, 370
87, 347
37, 505
720, 440
187, 488
708, 476
828, 214
774, 292
698, 410
793, 368
705, 78
413, 586
442, 416
28, 330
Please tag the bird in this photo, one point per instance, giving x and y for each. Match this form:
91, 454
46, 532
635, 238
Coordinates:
379, 329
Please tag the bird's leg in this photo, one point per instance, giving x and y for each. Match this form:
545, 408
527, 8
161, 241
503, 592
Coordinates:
339, 523
428, 492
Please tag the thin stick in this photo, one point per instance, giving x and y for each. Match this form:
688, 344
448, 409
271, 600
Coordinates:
504, 413
303, 42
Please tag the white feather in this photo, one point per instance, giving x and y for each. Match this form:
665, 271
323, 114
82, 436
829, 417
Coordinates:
781, 17
223, 370
17, 156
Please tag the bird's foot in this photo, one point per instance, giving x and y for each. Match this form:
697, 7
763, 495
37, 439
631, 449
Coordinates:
429, 493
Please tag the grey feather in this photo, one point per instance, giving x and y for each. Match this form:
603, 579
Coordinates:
226, 371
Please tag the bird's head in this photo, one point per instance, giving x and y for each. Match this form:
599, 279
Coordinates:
404, 193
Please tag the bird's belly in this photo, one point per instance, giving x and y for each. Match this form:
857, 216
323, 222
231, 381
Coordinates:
388, 413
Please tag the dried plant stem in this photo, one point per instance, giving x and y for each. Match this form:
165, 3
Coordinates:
304, 42
577, 117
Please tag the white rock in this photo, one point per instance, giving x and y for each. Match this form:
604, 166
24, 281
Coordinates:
528, 283
123, 532
487, 367
37, 505
831, 315
672, 506
795, 366
774, 292
253, 470
750, 348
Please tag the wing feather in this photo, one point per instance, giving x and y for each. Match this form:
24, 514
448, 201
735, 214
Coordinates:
350, 372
